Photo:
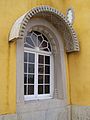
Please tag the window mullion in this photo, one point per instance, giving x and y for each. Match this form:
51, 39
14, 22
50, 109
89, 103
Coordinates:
36, 75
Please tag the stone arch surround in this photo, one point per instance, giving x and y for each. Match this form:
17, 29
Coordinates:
55, 17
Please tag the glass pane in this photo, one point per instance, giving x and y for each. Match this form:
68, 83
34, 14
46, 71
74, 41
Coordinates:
40, 69
49, 47
31, 57
25, 89
30, 89
47, 69
40, 79
30, 68
44, 44
47, 89
29, 41
41, 59
25, 57
27, 45
46, 49
47, 59
40, 89
34, 38
25, 78
25, 67
37, 33
31, 79
47, 79
40, 39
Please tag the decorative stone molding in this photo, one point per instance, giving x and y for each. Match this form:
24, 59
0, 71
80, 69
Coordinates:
80, 112
53, 16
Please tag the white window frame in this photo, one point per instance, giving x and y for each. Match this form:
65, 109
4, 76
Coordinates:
36, 95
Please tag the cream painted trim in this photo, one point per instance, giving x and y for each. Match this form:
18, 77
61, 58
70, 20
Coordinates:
59, 21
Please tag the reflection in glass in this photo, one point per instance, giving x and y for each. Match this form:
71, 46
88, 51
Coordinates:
31, 57
47, 88
47, 59
29, 41
25, 89
25, 57
40, 69
25, 78
40, 89
30, 68
25, 67
47, 69
30, 89
40, 79
31, 79
47, 79
41, 59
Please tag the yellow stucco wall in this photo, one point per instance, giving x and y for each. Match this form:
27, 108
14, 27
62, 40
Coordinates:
77, 64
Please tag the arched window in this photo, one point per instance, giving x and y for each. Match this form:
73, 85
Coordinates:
38, 68
43, 36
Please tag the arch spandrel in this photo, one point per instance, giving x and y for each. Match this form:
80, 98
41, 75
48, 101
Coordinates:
55, 17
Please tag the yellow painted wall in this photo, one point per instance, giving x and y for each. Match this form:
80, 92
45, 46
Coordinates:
78, 64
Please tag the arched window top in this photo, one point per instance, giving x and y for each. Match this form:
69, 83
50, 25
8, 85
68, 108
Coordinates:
36, 40
51, 15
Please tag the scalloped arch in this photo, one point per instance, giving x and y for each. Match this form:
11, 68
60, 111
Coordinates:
55, 17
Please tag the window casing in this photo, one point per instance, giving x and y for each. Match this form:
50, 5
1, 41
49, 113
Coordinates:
38, 67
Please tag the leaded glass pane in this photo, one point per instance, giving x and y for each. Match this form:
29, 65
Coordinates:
36, 39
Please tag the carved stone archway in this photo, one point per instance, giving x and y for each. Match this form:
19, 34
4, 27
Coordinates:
53, 16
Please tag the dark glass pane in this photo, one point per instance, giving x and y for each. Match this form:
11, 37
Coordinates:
31, 79
45, 38
40, 79
25, 57
25, 78
44, 44
29, 41
40, 39
30, 89
46, 49
47, 79
34, 38
31, 57
40, 89
40, 69
25, 89
47, 89
41, 59
25, 67
49, 46
37, 33
30, 68
47, 59
47, 69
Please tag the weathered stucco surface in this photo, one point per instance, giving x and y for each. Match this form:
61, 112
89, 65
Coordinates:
78, 64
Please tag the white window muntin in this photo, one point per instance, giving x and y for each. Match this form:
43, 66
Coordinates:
36, 95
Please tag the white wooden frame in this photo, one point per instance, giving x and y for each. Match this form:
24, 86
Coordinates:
43, 96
